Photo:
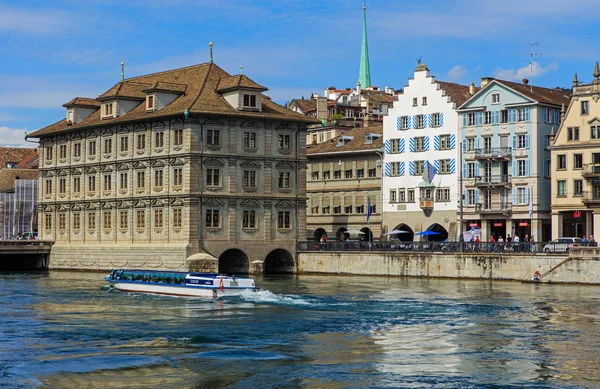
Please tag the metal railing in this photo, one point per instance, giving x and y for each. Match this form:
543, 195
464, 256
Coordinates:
491, 180
493, 153
493, 208
451, 247
591, 170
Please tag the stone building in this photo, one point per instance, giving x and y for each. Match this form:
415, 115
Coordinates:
344, 176
506, 161
576, 164
420, 186
167, 165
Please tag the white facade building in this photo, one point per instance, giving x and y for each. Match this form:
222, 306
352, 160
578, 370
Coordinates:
420, 135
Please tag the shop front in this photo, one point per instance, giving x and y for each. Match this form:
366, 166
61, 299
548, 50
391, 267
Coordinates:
521, 228
497, 228
577, 223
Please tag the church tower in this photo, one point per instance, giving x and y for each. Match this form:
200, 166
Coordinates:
364, 76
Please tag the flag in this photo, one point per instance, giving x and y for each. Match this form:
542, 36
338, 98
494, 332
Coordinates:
428, 172
530, 205
368, 208
221, 286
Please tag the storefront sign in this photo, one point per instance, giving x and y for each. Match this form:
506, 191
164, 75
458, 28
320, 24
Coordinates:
473, 225
523, 224
576, 214
497, 224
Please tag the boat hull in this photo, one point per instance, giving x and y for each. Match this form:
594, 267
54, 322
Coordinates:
176, 290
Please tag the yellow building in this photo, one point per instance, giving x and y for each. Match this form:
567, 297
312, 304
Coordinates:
576, 164
164, 166
343, 177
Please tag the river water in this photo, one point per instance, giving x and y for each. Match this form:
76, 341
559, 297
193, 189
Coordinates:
64, 330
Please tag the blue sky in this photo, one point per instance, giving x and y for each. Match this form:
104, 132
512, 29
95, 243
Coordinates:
54, 51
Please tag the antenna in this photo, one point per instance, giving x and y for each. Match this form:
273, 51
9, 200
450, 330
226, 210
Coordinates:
531, 54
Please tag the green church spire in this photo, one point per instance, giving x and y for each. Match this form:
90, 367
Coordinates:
364, 76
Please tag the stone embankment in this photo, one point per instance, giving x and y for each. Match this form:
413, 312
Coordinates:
582, 265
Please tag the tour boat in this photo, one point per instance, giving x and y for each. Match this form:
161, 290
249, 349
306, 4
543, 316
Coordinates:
179, 283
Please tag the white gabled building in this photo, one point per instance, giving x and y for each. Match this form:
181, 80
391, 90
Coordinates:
420, 135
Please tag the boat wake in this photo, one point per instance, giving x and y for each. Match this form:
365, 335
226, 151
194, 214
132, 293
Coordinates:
266, 297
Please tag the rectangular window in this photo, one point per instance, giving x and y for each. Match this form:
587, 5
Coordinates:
326, 210
420, 121
107, 182
470, 144
49, 152
495, 98
124, 144
444, 166
48, 186
62, 151
419, 168
150, 100
401, 195
123, 181
348, 209
107, 146
521, 171
372, 173
360, 173
504, 116
594, 132
435, 120
562, 188
394, 146
212, 177
249, 180
442, 194
177, 176
62, 221
521, 141
410, 194
315, 175
348, 173
123, 216
573, 133
91, 183
249, 219
159, 139
420, 143
158, 218
394, 169
424, 100
585, 107
213, 137
284, 180
250, 101
487, 117
471, 197
76, 221
522, 196
141, 141
141, 180
107, 221
284, 142
471, 170
359, 209
92, 220
577, 187
77, 150
326, 175
471, 119
445, 142
212, 218
415, 102
177, 137
108, 109
76, 184
48, 222
487, 144
249, 140
337, 174
393, 196
92, 148
158, 177
561, 162
577, 161
283, 219
62, 185
404, 122
140, 219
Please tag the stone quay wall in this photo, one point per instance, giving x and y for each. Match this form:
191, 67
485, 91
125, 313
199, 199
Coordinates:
582, 266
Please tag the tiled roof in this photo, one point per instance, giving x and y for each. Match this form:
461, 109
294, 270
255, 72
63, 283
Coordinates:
200, 96
82, 102
168, 87
537, 93
16, 155
30, 163
377, 96
459, 94
239, 81
357, 143
8, 176
305, 105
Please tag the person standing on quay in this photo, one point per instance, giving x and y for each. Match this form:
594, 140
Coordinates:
517, 242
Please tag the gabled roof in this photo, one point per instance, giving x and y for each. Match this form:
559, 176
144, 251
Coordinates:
200, 96
16, 155
82, 102
239, 81
305, 105
458, 93
377, 96
356, 144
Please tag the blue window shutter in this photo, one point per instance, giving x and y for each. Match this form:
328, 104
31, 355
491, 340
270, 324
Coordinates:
526, 141
495, 117
426, 143
514, 167
436, 142
387, 169
453, 141
387, 146
514, 142
411, 168
527, 114
477, 143
544, 112
476, 196
464, 119
464, 144
411, 144
514, 190
453, 166
512, 115
464, 172
464, 197
401, 145
398, 122
401, 173
478, 119
414, 121
526, 195
527, 171
477, 168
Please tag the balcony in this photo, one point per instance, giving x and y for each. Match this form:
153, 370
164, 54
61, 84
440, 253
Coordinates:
494, 154
489, 209
503, 180
591, 198
591, 171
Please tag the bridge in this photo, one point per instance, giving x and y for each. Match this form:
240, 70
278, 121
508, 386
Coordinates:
24, 254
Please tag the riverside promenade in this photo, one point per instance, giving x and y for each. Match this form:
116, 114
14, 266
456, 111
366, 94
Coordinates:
580, 265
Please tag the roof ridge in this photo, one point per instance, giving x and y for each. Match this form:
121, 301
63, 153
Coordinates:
210, 66
169, 71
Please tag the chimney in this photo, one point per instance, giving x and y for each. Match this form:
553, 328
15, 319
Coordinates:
525, 81
358, 88
485, 81
471, 89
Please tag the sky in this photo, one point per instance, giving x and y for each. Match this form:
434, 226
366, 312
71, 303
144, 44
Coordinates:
53, 51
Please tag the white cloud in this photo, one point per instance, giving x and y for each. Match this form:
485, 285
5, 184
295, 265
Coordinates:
40, 21
525, 72
14, 137
457, 73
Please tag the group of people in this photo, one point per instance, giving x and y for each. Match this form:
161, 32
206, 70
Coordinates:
588, 242
510, 244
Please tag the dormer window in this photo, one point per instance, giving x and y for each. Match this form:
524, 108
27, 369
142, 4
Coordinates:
150, 102
250, 101
70, 115
108, 109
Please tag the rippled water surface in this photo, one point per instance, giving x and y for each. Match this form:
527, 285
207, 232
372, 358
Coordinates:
64, 330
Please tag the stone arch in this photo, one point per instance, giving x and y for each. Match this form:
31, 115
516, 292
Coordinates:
443, 233
408, 237
341, 234
319, 232
234, 261
368, 236
279, 261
